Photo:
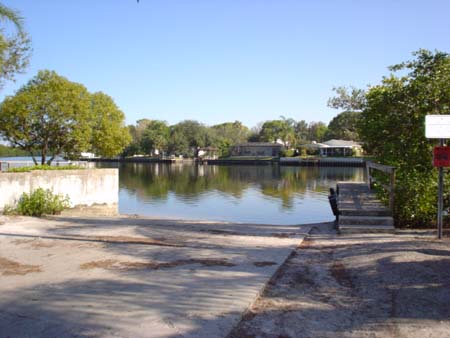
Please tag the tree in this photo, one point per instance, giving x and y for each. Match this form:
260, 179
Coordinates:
228, 134
155, 137
344, 126
234, 132
392, 128
109, 136
301, 132
274, 130
54, 116
188, 135
317, 131
348, 99
14, 47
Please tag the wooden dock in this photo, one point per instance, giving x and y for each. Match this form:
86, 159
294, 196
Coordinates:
360, 210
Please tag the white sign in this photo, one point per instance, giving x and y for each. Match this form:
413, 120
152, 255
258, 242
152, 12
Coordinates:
437, 126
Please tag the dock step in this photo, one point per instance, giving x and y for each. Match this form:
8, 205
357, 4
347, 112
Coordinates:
361, 229
360, 210
366, 220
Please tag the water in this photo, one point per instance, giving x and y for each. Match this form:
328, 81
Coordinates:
250, 194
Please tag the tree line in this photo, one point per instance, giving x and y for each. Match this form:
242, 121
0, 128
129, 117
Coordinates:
151, 137
154, 137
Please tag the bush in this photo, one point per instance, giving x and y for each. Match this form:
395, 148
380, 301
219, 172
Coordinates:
287, 153
40, 202
44, 167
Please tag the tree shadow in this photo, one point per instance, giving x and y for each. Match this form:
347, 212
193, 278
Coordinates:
374, 287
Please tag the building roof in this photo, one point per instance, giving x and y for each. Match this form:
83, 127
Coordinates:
341, 143
334, 144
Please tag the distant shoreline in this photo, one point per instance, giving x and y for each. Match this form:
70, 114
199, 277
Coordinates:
288, 161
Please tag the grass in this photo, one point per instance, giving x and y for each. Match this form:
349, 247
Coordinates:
43, 167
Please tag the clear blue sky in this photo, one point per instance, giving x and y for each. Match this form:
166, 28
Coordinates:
226, 60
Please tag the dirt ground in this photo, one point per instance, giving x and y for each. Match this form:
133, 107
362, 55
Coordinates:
356, 286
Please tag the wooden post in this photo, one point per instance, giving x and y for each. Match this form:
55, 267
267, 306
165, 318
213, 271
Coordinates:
369, 177
440, 196
392, 191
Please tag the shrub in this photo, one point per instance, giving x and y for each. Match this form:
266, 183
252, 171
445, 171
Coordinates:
287, 153
41, 202
9, 210
44, 167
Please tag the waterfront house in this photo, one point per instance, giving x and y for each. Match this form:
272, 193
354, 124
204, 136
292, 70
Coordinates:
337, 148
208, 153
257, 149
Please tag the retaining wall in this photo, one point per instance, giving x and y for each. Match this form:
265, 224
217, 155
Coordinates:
86, 187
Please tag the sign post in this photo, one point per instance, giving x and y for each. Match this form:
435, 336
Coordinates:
438, 126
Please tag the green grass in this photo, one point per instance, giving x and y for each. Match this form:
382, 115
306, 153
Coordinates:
44, 167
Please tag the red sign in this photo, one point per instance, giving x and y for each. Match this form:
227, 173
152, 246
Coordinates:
441, 156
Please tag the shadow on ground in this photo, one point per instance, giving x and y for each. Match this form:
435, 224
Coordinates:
356, 286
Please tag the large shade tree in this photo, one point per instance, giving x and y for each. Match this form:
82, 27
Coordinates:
155, 137
393, 130
109, 134
54, 116
344, 126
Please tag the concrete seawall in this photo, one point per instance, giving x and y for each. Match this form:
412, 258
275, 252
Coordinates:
324, 162
87, 187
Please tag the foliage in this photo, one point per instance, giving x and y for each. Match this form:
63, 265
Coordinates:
49, 114
301, 132
6, 151
9, 210
52, 115
228, 134
40, 202
344, 126
348, 99
44, 167
155, 137
274, 130
393, 130
187, 136
287, 153
14, 46
317, 131
109, 134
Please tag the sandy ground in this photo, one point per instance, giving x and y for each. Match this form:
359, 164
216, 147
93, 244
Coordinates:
133, 277
356, 286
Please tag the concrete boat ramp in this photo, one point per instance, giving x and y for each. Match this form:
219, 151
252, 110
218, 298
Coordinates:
133, 277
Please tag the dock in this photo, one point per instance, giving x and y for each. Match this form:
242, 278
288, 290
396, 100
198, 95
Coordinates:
361, 211
357, 206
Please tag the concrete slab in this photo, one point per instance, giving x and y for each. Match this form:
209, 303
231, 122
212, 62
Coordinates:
133, 277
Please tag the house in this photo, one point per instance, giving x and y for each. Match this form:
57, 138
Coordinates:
337, 148
208, 153
86, 155
257, 149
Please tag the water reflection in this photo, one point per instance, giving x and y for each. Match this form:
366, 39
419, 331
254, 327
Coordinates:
265, 194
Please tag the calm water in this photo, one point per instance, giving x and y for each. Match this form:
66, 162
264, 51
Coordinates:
250, 194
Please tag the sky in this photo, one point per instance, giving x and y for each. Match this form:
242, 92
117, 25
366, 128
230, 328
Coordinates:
225, 60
